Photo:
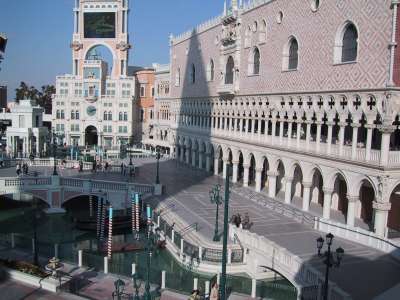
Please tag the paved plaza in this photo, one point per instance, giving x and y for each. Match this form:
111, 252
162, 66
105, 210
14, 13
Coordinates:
188, 190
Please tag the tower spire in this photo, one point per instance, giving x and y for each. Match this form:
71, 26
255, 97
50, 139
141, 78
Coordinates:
234, 5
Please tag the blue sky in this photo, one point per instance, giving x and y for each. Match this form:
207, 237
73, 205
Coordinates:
40, 31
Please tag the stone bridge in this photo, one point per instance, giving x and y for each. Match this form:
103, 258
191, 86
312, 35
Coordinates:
57, 190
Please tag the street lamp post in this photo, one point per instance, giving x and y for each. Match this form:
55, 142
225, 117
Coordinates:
54, 155
222, 288
158, 165
151, 241
136, 285
330, 259
216, 198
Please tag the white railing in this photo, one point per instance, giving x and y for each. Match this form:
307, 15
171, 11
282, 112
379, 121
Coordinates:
282, 260
276, 141
394, 157
358, 235
79, 183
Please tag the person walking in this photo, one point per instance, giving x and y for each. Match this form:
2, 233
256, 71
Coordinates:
195, 295
18, 169
214, 295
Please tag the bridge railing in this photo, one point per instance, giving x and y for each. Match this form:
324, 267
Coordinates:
285, 262
26, 181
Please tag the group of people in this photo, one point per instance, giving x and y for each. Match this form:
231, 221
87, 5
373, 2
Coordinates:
245, 223
21, 169
214, 295
125, 169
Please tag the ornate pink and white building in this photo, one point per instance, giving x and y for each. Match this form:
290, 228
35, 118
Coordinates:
96, 105
302, 99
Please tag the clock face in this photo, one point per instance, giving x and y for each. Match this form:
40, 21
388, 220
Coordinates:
91, 111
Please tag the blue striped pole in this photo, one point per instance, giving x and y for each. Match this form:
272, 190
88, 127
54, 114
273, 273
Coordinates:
137, 201
133, 212
110, 223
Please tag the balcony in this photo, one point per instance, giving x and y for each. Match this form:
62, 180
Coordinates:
226, 89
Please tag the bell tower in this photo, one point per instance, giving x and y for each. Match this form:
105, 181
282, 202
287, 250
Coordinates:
101, 23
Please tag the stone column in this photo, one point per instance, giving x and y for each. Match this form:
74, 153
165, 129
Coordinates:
273, 131
351, 210
208, 162
266, 128
281, 125
308, 135
385, 144
187, 156
246, 175
327, 203
298, 135
258, 180
259, 129
235, 169
201, 155
306, 195
253, 127
240, 127
318, 138
246, 130
341, 138
225, 163
290, 128
288, 190
182, 153
369, 142
272, 184
233, 125
226, 131
194, 158
216, 163
381, 211
329, 141
355, 139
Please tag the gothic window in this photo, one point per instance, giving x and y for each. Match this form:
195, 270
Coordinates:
350, 44
178, 77
72, 115
210, 71
293, 55
262, 37
109, 116
256, 61
58, 116
77, 114
229, 70
193, 74
120, 116
346, 44
142, 91
62, 114
125, 116
105, 116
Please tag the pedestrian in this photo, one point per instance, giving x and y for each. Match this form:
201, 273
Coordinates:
195, 295
122, 168
214, 295
80, 166
18, 169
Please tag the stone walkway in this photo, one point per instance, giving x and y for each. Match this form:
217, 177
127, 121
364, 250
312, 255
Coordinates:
189, 189
365, 273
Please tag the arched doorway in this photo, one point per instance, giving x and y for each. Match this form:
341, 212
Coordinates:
91, 137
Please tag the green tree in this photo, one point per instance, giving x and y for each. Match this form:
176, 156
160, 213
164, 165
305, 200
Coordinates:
46, 97
43, 97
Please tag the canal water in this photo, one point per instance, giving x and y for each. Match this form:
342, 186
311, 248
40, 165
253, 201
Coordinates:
21, 218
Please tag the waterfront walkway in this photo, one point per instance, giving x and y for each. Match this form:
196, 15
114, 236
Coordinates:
365, 272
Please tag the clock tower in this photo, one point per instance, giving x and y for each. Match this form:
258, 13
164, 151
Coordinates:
97, 99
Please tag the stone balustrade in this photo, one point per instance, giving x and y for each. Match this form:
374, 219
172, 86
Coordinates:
268, 253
